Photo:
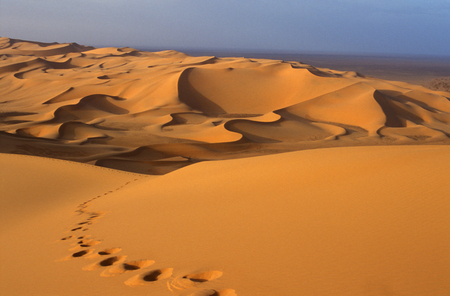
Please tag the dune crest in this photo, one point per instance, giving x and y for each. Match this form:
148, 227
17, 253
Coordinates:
111, 103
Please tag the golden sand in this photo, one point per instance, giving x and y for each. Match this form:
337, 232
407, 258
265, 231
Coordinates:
206, 181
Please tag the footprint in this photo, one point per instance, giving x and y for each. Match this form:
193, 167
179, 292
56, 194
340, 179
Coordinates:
226, 292
78, 254
82, 253
204, 276
109, 251
85, 244
95, 216
88, 243
195, 279
67, 237
105, 263
127, 266
105, 252
148, 277
211, 292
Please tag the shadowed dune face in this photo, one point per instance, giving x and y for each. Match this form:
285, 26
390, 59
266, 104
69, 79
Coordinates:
156, 112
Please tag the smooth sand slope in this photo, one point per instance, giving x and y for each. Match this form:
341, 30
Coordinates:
137, 173
336, 221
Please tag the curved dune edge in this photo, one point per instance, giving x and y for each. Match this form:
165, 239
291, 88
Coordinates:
111, 103
363, 220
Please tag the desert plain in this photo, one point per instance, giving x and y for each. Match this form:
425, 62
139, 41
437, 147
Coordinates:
127, 172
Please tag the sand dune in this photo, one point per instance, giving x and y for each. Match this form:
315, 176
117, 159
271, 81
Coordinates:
134, 173
336, 221
110, 101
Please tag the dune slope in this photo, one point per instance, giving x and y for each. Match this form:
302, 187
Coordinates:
40, 208
336, 221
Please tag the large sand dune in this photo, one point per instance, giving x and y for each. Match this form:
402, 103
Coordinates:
155, 112
323, 218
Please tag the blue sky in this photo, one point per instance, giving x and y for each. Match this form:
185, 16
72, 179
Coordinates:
397, 27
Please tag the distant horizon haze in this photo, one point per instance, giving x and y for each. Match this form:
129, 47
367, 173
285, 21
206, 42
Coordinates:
342, 27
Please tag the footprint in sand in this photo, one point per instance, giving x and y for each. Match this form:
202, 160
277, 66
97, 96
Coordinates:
149, 277
78, 254
211, 292
105, 263
85, 243
126, 267
204, 276
226, 292
105, 252
109, 251
82, 253
94, 216
115, 265
194, 279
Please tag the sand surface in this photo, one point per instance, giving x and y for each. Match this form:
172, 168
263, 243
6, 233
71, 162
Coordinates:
429, 71
158, 173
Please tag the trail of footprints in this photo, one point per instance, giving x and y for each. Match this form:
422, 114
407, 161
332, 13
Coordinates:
113, 264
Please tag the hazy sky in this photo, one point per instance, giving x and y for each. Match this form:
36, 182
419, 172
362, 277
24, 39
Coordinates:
299, 26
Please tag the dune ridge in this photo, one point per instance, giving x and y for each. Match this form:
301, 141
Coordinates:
110, 104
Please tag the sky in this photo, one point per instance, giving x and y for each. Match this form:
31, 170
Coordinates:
377, 27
